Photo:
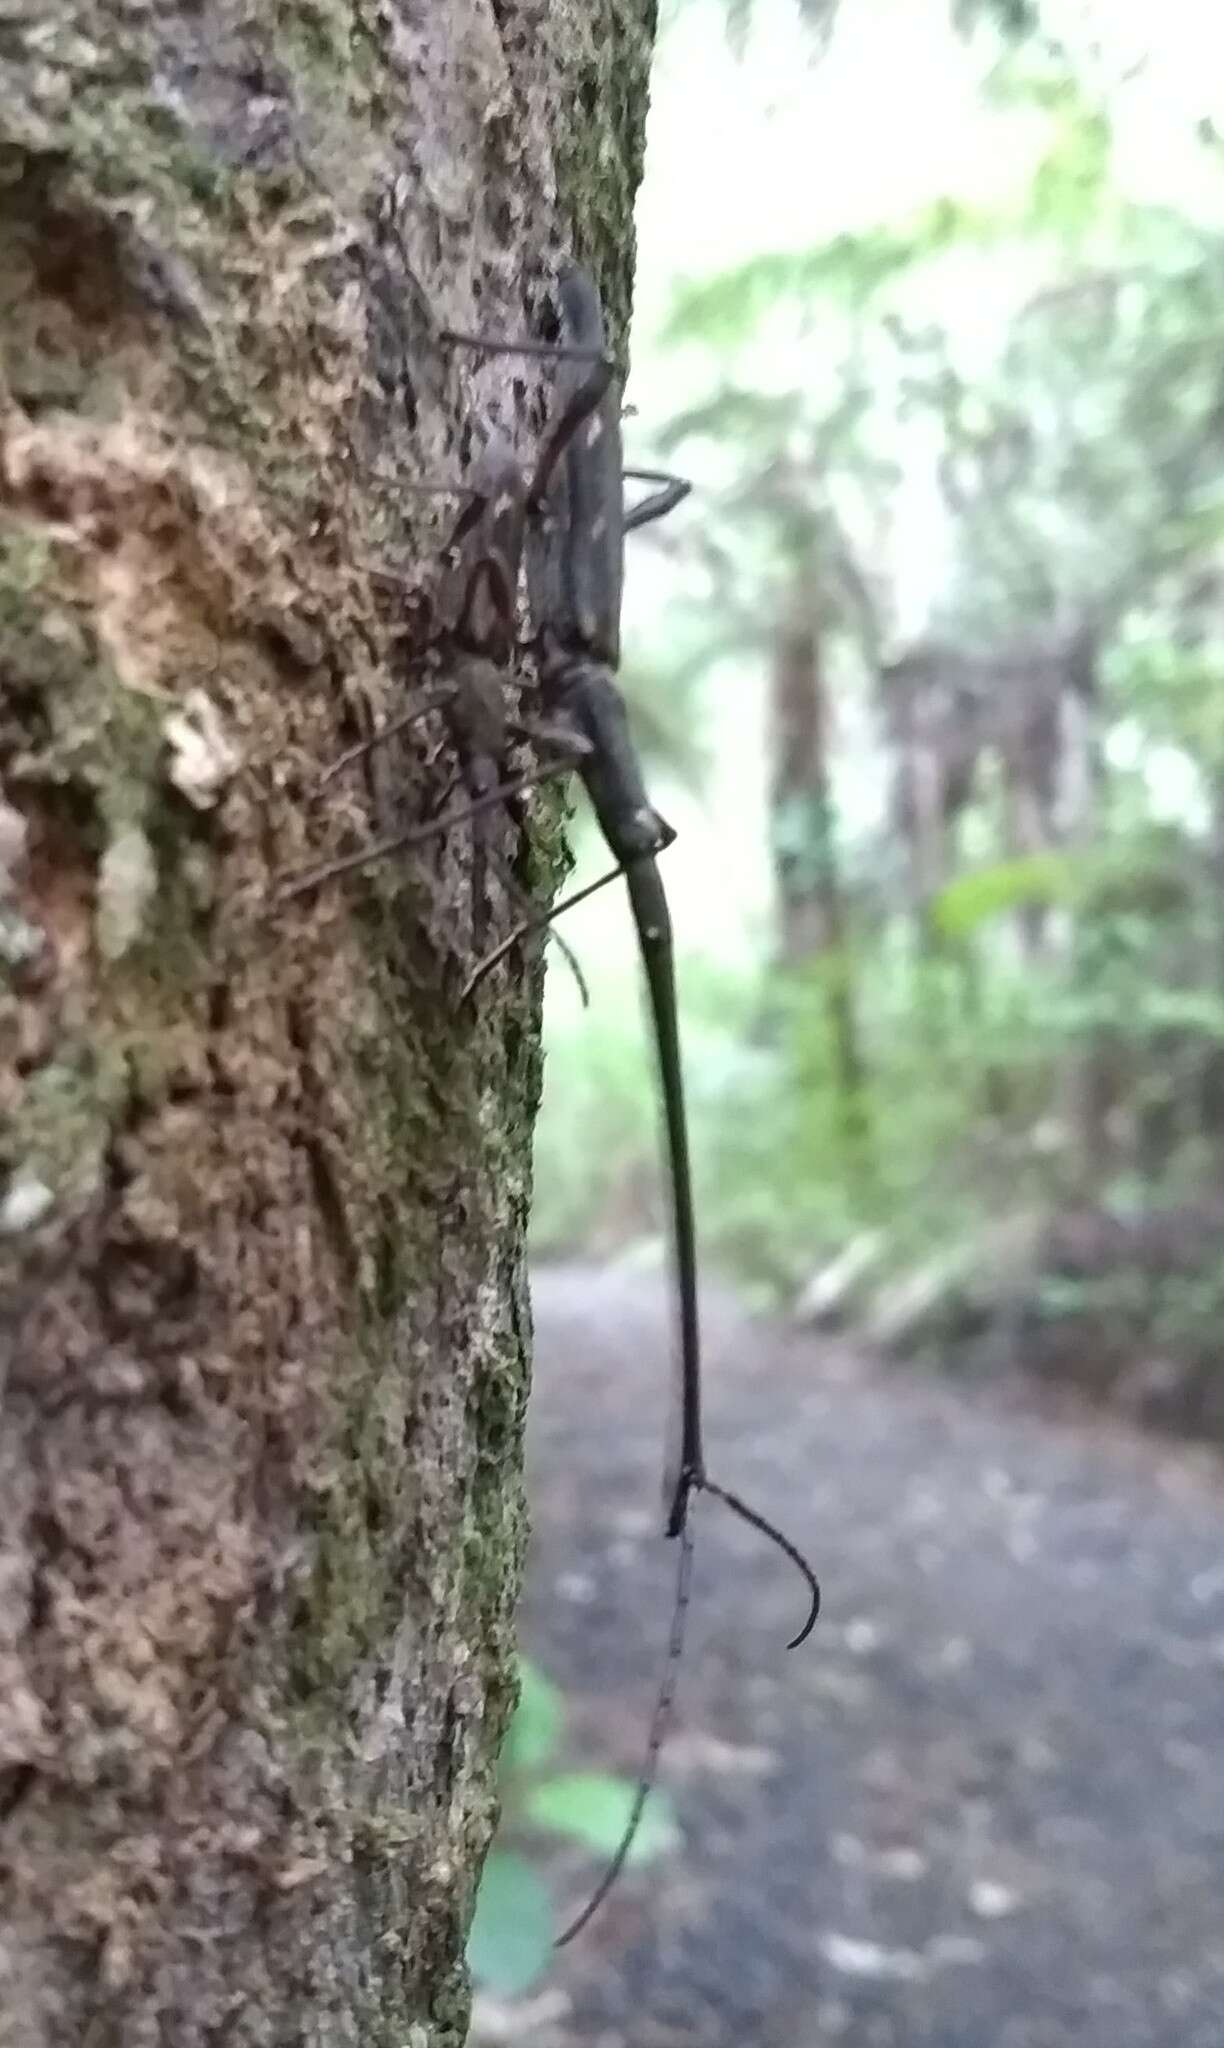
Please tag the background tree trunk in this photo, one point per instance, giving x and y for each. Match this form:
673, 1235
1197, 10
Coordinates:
264, 1308
814, 930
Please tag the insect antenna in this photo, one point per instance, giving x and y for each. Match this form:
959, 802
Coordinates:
783, 1543
427, 700
537, 923
532, 919
416, 835
654, 1741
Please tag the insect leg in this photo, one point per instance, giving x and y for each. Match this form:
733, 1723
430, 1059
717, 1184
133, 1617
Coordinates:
548, 733
654, 1742
583, 320
685, 1473
532, 918
579, 406
685, 1463
491, 574
416, 835
429, 700
784, 1544
657, 506
534, 923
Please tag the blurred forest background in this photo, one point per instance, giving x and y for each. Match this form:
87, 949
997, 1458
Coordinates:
931, 672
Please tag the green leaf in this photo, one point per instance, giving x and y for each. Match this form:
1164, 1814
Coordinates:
847, 271
511, 1935
1069, 186
536, 1726
594, 1809
1032, 878
1189, 1010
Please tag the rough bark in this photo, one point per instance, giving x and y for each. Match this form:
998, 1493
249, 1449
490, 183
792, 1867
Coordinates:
264, 1311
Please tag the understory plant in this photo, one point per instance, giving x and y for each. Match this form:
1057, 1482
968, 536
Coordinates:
516, 1921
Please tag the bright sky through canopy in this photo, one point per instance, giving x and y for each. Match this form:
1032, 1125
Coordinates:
789, 147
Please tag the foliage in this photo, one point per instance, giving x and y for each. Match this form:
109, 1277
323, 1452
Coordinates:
596, 1085
968, 1069
1018, 388
1013, 19
512, 1928
514, 1924
594, 1809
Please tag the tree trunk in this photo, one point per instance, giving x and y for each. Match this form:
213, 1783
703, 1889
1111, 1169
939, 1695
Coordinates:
814, 929
264, 1305
1094, 1080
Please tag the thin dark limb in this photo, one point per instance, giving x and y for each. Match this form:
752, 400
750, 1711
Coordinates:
493, 573
532, 919
495, 345
471, 515
686, 1473
468, 520
686, 1470
550, 733
416, 835
784, 1544
659, 503
495, 482
583, 316
654, 1742
475, 498
429, 700
521, 931
578, 407
685, 1463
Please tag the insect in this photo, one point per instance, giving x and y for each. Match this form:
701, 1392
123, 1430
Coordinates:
474, 644
570, 522
576, 528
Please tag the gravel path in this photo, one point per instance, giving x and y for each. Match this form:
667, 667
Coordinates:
983, 1807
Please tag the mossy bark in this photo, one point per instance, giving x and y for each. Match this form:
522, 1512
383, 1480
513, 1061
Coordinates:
265, 1177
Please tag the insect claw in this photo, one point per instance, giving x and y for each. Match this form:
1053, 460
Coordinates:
783, 1543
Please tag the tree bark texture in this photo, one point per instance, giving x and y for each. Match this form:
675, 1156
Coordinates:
265, 1180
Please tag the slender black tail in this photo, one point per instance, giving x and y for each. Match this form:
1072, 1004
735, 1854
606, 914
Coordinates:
654, 1741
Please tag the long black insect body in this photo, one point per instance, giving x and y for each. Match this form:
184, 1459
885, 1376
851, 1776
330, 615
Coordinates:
575, 565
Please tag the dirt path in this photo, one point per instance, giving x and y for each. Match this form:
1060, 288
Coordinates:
984, 1807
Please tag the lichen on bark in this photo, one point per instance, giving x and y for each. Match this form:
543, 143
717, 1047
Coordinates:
266, 1181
